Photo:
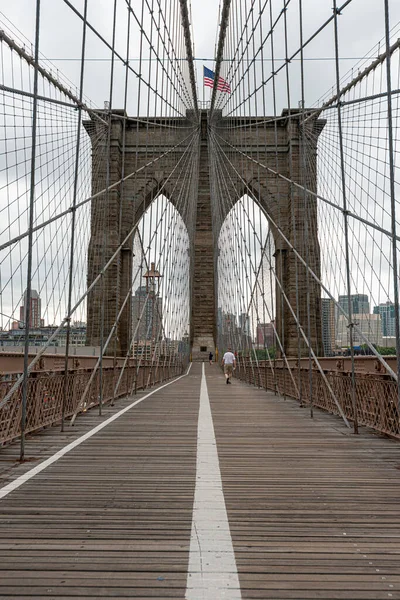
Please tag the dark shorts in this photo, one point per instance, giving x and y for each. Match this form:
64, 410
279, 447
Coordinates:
228, 369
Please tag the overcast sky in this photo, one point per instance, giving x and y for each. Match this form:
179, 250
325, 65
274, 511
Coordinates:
361, 27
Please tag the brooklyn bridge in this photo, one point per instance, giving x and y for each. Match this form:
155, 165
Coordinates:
181, 186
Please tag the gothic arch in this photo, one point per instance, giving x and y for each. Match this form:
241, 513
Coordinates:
267, 152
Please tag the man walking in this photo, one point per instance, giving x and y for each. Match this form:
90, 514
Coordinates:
229, 363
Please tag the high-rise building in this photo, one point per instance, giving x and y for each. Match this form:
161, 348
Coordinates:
388, 317
244, 323
359, 304
147, 316
228, 329
369, 325
35, 310
229, 324
328, 326
219, 319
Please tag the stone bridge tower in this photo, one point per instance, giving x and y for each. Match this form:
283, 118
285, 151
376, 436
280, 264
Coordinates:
137, 149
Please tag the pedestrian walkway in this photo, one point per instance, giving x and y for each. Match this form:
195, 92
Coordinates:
275, 506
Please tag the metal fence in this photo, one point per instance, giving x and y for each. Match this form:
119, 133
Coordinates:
375, 391
50, 395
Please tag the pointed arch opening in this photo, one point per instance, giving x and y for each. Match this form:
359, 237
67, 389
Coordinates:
161, 282
246, 289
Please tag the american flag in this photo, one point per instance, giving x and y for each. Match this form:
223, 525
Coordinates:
209, 77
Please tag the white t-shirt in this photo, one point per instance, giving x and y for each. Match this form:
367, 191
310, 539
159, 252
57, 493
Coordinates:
229, 358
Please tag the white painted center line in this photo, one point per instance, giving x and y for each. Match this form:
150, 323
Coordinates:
212, 572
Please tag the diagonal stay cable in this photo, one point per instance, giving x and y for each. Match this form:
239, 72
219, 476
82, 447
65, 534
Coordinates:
97, 195
317, 279
81, 299
307, 190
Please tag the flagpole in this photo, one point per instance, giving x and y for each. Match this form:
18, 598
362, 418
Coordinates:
204, 91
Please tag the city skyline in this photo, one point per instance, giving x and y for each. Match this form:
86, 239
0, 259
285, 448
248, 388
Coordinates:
377, 326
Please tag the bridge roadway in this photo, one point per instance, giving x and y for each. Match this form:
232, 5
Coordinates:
305, 510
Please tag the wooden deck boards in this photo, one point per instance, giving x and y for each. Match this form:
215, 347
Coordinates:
111, 519
314, 511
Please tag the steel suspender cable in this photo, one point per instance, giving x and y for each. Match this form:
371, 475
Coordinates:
97, 248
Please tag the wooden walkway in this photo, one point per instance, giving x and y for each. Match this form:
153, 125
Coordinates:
313, 511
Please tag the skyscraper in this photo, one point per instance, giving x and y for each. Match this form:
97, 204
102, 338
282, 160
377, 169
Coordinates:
265, 335
35, 317
359, 304
328, 326
388, 318
368, 325
244, 323
149, 314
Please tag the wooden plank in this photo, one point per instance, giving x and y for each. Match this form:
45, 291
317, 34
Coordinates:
115, 512
314, 511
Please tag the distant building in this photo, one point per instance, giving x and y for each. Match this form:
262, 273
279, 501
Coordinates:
147, 316
169, 347
265, 335
143, 349
229, 325
77, 335
229, 334
244, 337
40, 336
328, 310
359, 304
388, 317
389, 342
244, 324
35, 319
219, 319
229, 329
78, 324
369, 325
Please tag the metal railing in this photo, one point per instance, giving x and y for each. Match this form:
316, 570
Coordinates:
46, 390
375, 390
